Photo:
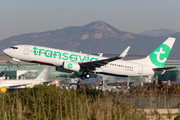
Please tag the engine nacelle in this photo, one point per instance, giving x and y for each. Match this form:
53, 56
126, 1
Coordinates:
73, 66
61, 69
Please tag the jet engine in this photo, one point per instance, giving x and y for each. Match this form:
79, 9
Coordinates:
61, 69
73, 66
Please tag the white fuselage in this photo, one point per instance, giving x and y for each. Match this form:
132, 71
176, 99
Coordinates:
56, 57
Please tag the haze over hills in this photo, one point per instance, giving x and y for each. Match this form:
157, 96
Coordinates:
158, 32
96, 37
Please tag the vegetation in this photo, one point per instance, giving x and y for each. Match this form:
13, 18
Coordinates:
50, 102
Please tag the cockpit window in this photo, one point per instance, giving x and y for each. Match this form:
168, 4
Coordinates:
14, 47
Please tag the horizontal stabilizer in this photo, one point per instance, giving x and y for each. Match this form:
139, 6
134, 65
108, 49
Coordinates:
163, 68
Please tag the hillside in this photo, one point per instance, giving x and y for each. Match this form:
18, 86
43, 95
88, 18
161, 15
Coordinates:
158, 32
92, 38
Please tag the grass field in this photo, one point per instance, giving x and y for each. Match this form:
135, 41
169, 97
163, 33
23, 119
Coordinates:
53, 103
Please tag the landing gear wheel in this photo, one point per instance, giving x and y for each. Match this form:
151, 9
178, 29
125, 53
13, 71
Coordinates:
18, 65
83, 76
88, 75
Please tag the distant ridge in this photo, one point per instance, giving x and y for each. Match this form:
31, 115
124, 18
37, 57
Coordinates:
95, 37
158, 32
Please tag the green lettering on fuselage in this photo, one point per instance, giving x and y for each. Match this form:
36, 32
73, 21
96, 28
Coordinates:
40, 51
93, 59
73, 57
64, 56
57, 54
35, 49
48, 53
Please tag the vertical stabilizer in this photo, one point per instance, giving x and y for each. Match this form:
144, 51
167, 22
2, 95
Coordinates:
159, 56
44, 75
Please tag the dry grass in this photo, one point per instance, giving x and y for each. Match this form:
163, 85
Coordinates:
52, 103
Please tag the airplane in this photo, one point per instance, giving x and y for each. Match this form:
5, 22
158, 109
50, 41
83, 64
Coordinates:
17, 84
68, 61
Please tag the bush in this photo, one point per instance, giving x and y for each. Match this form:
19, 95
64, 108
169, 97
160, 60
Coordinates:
51, 102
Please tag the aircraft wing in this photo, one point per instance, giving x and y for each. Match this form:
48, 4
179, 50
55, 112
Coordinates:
15, 85
96, 64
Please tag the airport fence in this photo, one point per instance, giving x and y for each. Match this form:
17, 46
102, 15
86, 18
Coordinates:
153, 102
155, 96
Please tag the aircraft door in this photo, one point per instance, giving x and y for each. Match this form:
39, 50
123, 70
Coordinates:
140, 69
26, 50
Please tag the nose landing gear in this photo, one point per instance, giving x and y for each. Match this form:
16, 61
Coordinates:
18, 65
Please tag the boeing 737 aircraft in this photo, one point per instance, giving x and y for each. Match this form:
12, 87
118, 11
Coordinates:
42, 78
67, 61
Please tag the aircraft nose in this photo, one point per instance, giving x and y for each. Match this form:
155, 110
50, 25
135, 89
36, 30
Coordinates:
5, 51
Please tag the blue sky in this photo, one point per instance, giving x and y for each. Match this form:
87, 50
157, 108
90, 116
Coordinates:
18, 16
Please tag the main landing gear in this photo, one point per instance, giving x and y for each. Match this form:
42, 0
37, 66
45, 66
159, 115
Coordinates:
85, 75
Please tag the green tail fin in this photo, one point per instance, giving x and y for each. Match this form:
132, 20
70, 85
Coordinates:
159, 56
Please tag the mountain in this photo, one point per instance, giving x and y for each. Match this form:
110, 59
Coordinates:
158, 32
96, 37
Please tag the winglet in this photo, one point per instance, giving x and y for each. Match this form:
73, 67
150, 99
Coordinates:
124, 53
100, 54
